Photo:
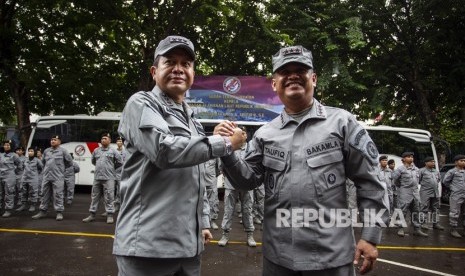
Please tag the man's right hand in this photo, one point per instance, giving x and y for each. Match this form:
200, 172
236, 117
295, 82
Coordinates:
237, 139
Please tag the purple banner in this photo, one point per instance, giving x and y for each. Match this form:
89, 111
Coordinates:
241, 98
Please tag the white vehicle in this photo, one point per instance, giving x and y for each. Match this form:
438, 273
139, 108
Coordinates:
81, 135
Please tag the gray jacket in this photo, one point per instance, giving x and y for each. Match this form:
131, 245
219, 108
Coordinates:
163, 197
55, 162
32, 168
406, 179
9, 164
106, 161
304, 166
455, 179
429, 182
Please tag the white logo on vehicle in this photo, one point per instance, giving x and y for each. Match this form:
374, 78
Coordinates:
80, 150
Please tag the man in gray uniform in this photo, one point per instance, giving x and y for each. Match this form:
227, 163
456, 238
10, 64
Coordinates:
9, 164
30, 181
163, 221
455, 180
429, 194
211, 184
70, 179
19, 174
303, 157
231, 196
55, 160
386, 173
122, 151
406, 179
106, 161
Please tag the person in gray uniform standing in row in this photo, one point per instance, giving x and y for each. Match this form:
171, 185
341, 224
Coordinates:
429, 179
122, 151
211, 184
106, 161
70, 181
386, 172
231, 197
303, 157
30, 181
406, 179
9, 165
55, 160
19, 174
455, 181
164, 222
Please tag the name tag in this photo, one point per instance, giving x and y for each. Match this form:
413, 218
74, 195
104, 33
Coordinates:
323, 147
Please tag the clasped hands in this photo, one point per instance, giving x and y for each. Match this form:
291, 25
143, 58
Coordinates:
235, 134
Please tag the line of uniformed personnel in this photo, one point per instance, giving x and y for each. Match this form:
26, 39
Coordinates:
415, 190
42, 177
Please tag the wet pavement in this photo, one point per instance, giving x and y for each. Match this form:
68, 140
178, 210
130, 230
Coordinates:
70, 247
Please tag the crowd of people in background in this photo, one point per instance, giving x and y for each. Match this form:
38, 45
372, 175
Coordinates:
30, 182
414, 192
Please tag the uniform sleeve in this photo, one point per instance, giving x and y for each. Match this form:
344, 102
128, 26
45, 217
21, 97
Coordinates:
396, 176
205, 211
68, 160
420, 176
93, 159
40, 166
145, 128
76, 167
361, 161
448, 178
118, 159
248, 173
19, 165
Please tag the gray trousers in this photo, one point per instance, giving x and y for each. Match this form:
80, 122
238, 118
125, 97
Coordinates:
132, 266
430, 205
212, 195
455, 203
105, 188
29, 192
7, 192
414, 207
69, 188
259, 202
230, 199
272, 269
52, 190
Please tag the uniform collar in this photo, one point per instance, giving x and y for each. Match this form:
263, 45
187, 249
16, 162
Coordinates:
167, 101
317, 111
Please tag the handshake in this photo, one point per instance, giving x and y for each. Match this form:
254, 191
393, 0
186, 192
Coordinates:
230, 130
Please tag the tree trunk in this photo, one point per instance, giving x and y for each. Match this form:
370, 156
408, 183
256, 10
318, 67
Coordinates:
21, 98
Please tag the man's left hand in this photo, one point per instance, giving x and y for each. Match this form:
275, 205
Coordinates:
369, 253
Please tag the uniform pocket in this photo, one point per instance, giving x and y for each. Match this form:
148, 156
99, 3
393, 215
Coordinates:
273, 175
328, 173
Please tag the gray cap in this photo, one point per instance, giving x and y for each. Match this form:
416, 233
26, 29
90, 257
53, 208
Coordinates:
174, 41
292, 54
407, 153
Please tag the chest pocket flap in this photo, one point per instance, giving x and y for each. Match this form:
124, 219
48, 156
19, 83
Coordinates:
325, 159
277, 165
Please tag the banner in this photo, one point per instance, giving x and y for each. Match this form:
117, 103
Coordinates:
240, 98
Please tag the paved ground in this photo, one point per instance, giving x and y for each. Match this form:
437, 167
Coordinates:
70, 247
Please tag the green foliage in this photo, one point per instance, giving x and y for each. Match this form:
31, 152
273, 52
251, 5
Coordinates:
404, 59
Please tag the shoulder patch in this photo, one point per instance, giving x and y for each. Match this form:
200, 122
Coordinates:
361, 141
